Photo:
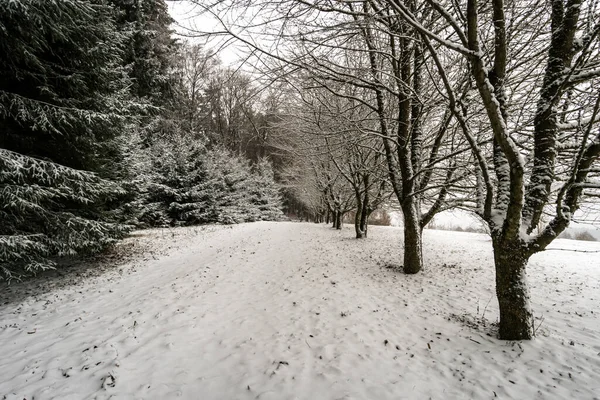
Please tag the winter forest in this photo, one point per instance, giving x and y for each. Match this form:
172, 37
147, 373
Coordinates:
174, 223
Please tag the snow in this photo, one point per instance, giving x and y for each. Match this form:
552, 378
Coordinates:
457, 220
299, 311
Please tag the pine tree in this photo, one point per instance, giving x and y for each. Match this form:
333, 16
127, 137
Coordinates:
176, 170
150, 59
63, 104
228, 185
192, 185
63, 91
41, 213
150, 47
266, 193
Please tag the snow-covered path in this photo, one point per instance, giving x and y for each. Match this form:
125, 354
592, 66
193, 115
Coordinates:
300, 311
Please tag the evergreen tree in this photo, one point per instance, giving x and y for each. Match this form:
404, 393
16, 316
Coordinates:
150, 59
265, 192
229, 186
176, 169
192, 185
42, 217
63, 91
63, 105
150, 47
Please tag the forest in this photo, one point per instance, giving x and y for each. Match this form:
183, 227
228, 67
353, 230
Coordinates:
340, 111
110, 123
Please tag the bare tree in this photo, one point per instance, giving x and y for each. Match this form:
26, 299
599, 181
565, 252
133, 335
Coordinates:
312, 172
340, 125
535, 69
196, 68
544, 152
357, 45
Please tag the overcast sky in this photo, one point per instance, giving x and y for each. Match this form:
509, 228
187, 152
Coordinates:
188, 19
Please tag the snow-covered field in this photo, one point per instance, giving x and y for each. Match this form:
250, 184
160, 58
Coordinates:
300, 311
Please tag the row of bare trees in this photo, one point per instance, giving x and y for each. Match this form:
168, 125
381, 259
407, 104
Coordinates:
491, 106
223, 104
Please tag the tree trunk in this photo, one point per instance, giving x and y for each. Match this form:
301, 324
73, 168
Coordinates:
516, 318
364, 222
338, 220
358, 216
413, 243
364, 215
365, 209
328, 217
357, 221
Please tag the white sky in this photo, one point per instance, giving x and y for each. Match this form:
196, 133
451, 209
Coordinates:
189, 19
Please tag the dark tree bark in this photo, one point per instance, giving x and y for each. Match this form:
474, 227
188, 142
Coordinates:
413, 255
364, 215
362, 212
401, 172
338, 220
357, 218
516, 318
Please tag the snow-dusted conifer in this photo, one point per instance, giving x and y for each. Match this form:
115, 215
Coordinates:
192, 185
40, 203
64, 103
177, 168
265, 193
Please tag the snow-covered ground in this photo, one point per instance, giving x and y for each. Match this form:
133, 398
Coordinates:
300, 311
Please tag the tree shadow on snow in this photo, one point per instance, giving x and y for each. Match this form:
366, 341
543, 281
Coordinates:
73, 271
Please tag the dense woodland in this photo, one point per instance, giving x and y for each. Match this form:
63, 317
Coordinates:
108, 123
341, 109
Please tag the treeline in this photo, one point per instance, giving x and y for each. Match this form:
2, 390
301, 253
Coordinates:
108, 123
